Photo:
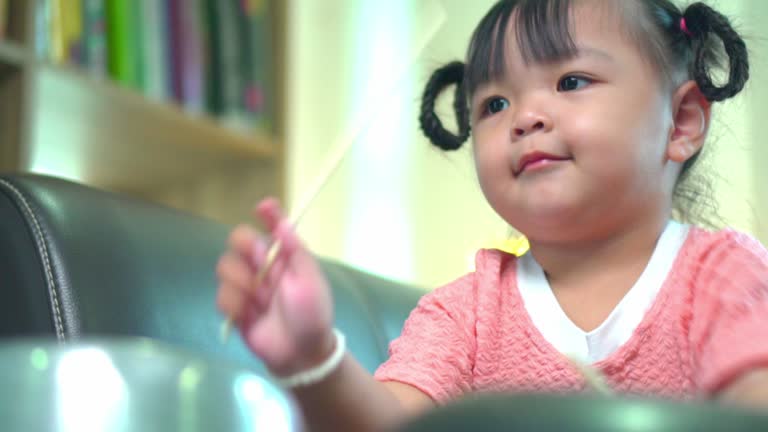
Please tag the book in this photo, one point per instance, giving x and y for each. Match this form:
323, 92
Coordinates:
187, 27
136, 30
42, 29
73, 30
228, 52
58, 45
155, 61
206, 55
214, 95
121, 42
59, 30
174, 41
255, 63
192, 84
94, 45
3, 19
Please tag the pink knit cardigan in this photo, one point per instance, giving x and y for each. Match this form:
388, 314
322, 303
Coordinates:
707, 325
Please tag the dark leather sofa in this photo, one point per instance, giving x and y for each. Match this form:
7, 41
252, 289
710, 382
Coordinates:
77, 262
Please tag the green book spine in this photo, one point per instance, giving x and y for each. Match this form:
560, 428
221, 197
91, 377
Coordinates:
214, 86
120, 43
136, 30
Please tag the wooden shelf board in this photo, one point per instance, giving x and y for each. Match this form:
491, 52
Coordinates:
99, 133
12, 53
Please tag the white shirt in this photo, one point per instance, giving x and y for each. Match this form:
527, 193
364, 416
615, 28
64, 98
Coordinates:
596, 345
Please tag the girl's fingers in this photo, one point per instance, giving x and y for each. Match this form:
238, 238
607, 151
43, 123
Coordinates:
231, 301
282, 232
250, 248
241, 241
237, 270
270, 213
293, 250
263, 290
275, 274
259, 250
234, 271
292, 253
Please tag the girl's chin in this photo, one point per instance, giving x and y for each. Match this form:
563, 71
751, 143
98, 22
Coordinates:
544, 217
550, 212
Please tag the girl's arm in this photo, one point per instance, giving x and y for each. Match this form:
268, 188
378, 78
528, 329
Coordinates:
751, 390
350, 399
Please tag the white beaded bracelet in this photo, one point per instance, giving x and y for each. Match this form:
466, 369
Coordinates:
319, 372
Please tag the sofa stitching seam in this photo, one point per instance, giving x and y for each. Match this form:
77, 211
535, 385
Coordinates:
43, 248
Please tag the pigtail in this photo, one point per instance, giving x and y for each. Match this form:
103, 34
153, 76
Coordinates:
450, 74
700, 22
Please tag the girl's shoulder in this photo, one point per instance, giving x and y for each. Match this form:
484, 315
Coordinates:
715, 247
492, 269
724, 264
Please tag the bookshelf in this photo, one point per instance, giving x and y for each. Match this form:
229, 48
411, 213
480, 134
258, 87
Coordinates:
63, 121
12, 53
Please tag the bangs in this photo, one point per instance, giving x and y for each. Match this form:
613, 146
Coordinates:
542, 33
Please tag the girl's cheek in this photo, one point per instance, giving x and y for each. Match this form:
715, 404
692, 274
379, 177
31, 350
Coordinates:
582, 132
488, 133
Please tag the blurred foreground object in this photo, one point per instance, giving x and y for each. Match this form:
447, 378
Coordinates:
133, 384
582, 413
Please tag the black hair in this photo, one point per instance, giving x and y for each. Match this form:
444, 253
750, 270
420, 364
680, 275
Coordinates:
705, 45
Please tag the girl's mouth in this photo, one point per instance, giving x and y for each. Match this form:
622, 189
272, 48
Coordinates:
537, 160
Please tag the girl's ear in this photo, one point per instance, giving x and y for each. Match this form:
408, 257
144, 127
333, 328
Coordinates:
691, 115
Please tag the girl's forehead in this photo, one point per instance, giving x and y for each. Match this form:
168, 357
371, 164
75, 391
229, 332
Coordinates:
545, 32
587, 23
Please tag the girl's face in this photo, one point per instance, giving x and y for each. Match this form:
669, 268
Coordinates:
569, 148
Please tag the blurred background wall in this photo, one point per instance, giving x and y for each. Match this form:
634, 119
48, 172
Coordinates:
397, 206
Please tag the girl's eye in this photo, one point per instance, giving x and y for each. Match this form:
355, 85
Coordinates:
496, 105
573, 82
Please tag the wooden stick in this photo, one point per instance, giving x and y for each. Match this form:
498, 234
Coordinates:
592, 376
343, 148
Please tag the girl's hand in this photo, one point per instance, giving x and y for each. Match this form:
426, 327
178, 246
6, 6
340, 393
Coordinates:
286, 320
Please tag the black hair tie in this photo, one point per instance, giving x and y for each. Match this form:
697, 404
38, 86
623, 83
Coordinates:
450, 74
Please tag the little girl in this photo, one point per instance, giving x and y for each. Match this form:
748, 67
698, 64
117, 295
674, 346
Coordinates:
585, 115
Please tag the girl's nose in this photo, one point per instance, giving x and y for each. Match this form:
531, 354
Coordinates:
529, 123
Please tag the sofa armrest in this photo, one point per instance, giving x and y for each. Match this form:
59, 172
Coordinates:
76, 261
